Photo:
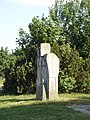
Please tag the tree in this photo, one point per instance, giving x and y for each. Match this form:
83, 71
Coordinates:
6, 60
75, 22
44, 30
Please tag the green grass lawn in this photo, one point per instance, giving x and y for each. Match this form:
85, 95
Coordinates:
26, 107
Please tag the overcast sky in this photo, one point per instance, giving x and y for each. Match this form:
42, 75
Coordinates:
15, 14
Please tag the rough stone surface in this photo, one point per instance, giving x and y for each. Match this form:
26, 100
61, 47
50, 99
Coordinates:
47, 73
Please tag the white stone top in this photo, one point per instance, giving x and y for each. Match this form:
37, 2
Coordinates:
44, 48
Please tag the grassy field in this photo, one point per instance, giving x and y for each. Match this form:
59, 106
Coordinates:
26, 107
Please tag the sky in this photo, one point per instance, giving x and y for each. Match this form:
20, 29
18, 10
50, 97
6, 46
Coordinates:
16, 14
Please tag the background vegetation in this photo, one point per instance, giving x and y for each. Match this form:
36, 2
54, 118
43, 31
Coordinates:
67, 29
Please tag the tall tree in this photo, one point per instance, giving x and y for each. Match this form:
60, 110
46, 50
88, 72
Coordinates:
75, 22
6, 60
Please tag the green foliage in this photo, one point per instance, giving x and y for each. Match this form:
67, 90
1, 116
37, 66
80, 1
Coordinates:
24, 74
3, 60
6, 60
10, 84
55, 48
20, 78
44, 30
66, 83
73, 74
1, 82
83, 77
75, 22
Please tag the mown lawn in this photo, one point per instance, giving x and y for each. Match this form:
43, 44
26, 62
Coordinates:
26, 107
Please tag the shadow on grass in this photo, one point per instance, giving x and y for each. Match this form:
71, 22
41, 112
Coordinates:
81, 100
38, 110
17, 100
85, 98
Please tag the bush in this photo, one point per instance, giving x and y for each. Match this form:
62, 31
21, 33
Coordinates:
18, 80
66, 83
74, 71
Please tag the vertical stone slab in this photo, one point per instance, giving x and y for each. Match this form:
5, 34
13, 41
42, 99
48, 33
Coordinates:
41, 71
53, 70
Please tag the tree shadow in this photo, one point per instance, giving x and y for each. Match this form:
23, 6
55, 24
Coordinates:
17, 100
43, 110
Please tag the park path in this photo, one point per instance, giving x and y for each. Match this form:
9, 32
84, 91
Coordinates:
81, 108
